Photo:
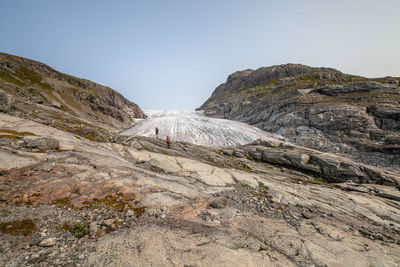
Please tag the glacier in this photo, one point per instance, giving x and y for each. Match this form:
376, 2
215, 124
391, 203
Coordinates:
193, 127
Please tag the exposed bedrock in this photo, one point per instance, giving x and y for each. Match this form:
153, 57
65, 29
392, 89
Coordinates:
318, 108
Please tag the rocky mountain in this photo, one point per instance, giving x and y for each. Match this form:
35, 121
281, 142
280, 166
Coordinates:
43, 94
130, 201
318, 108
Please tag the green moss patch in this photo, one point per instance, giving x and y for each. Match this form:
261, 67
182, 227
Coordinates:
16, 133
62, 202
92, 134
6, 136
34, 77
281, 85
262, 193
262, 186
24, 227
315, 180
250, 158
226, 163
80, 229
6, 76
320, 180
116, 202
139, 211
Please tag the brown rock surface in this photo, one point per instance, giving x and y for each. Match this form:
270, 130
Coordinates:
141, 204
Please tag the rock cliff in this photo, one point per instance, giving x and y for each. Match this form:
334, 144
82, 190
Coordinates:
43, 94
319, 108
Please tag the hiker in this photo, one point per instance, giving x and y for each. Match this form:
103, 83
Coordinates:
168, 142
156, 129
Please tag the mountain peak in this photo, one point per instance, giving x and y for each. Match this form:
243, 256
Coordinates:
265, 74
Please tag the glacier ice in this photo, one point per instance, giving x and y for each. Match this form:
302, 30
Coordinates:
193, 127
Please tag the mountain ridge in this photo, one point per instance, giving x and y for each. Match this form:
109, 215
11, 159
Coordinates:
320, 108
62, 100
249, 78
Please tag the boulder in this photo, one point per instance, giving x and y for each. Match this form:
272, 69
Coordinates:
5, 102
332, 168
49, 242
108, 222
44, 143
218, 204
55, 104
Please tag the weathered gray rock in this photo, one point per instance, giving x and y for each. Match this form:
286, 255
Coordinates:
130, 213
317, 108
5, 102
386, 116
94, 228
10, 160
218, 204
49, 242
108, 222
47, 167
328, 166
44, 143
56, 104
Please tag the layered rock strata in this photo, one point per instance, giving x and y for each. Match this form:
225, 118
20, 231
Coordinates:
318, 108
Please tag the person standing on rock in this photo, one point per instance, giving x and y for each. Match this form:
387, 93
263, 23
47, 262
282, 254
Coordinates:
156, 130
168, 142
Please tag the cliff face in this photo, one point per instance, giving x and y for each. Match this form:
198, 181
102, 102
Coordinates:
319, 108
46, 95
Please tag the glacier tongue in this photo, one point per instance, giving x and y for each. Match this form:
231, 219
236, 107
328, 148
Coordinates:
193, 127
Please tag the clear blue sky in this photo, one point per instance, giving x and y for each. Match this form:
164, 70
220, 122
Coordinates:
172, 54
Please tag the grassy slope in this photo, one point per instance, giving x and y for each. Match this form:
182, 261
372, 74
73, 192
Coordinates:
283, 85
